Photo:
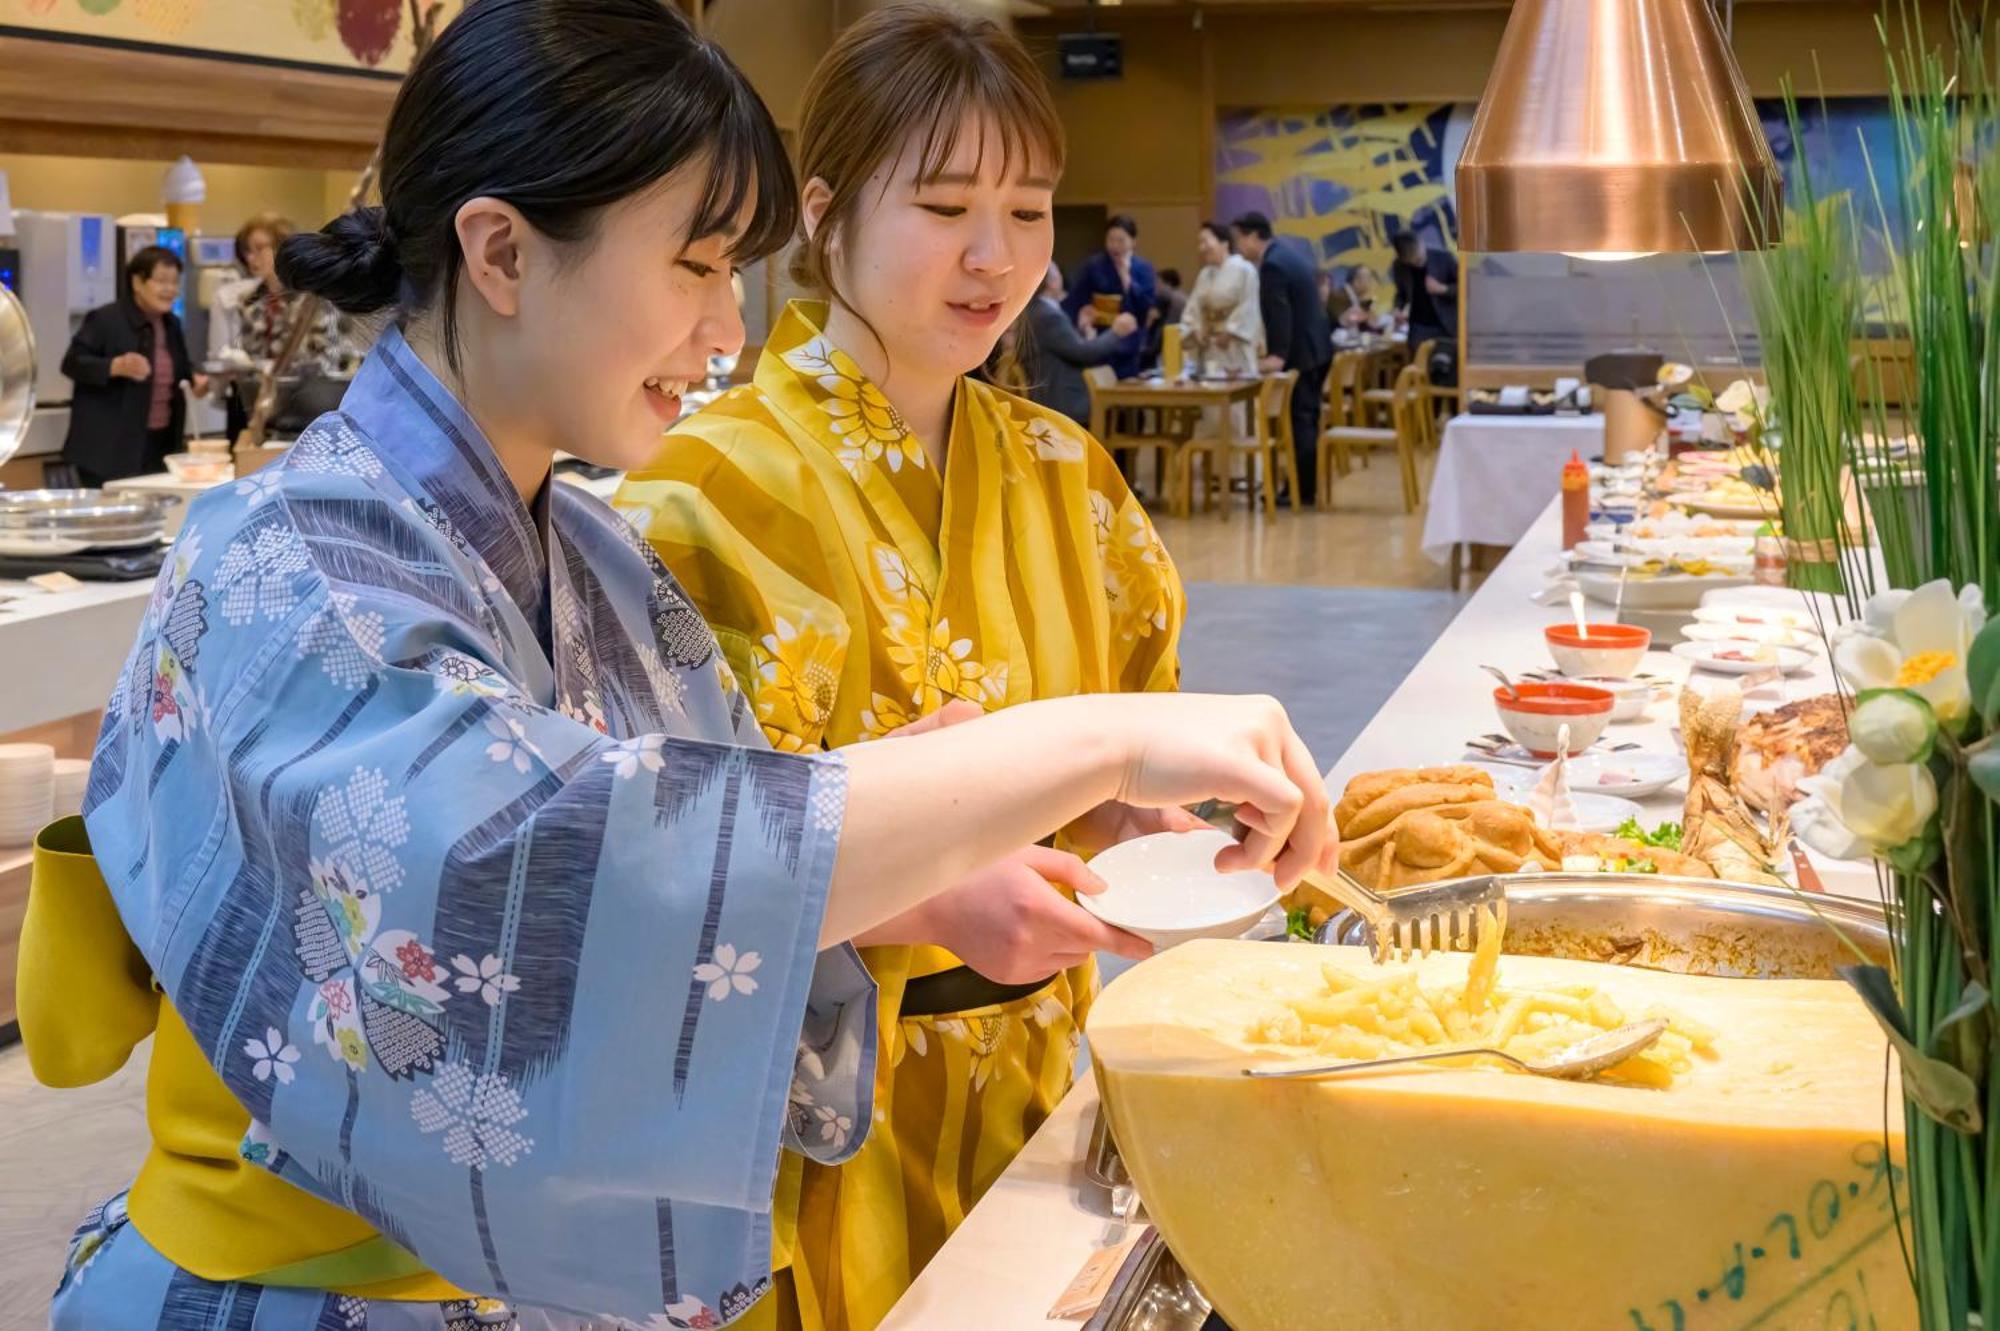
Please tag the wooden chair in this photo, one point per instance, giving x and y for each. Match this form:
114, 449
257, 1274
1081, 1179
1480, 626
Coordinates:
1434, 395
1120, 429
1414, 428
1377, 380
1341, 430
1269, 449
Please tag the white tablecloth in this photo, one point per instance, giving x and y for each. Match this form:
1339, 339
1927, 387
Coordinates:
1496, 473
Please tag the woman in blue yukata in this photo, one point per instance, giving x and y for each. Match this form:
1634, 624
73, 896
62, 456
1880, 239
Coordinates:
490, 958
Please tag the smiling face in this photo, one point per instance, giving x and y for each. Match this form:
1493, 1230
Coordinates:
156, 294
1118, 243
940, 267
611, 331
1212, 248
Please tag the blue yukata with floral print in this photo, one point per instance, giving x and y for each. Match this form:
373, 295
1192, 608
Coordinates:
443, 829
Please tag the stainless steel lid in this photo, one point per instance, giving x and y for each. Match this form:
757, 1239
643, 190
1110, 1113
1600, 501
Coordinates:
93, 515
1696, 926
17, 373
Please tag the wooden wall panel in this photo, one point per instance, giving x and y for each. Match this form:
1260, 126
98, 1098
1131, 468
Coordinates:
94, 101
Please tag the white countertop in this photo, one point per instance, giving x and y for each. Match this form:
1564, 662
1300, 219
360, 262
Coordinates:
61, 651
1024, 1242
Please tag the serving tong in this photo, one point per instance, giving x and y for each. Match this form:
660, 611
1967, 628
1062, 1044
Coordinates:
1437, 917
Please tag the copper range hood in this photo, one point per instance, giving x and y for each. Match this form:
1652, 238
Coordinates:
1612, 128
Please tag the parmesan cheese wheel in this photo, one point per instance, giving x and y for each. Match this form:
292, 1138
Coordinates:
1754, 1191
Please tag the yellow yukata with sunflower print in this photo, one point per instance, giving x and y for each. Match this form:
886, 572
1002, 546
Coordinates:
853, 590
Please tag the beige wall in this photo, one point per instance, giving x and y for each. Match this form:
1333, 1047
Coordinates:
235, 193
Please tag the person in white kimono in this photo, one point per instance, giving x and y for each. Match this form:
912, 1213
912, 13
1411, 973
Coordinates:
490, 956
1222, 330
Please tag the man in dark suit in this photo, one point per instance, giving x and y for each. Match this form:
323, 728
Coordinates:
1057, 354
1115, 271
1296, 333
1426, 291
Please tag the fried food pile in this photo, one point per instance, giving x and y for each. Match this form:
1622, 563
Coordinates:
1407, 826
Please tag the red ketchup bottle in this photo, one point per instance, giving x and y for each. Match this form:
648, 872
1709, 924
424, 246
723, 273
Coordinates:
1576, 500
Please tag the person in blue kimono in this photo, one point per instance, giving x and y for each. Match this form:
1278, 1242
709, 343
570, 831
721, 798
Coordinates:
1117, 272
489, 956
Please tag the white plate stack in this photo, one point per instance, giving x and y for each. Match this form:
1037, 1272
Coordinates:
27, 791
71, 776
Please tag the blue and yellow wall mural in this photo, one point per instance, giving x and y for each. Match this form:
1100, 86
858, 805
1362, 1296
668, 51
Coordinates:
1344, 178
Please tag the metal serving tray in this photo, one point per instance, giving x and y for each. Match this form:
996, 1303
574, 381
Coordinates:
1152, 1293
53, 522
1694, 926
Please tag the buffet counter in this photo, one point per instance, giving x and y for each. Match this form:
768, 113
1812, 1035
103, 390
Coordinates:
1021, 1247
63, 649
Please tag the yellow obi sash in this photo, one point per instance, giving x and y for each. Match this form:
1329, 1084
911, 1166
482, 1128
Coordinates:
87, 997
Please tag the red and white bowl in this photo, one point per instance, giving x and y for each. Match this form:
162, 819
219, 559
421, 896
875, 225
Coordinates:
1536, 715
1609, 649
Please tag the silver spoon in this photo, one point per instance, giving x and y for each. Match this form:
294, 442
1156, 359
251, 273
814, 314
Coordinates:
1579, 1062
1501, 675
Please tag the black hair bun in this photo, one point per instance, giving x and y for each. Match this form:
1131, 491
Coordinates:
351, 262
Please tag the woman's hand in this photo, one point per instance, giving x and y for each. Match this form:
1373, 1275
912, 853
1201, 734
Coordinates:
1111, 823
925, 812
1184, 747
1008, 922
132, 365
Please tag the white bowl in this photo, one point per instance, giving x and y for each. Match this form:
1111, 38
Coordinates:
201, 468
1165, 888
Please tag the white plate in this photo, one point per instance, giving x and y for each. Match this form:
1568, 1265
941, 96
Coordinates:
1667, 591
1775, 634
1637, 774
1697, 505
1594, 813
1165, 889
1755, 616
1708, 656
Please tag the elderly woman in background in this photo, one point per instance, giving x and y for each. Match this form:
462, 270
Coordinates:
264, 312
1223, 327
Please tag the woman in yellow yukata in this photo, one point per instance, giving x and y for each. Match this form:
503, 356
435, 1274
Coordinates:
874, 537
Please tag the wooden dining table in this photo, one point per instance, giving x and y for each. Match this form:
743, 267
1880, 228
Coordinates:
1171, 398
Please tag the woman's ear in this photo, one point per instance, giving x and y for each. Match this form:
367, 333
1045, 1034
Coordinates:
814, 200
492, 236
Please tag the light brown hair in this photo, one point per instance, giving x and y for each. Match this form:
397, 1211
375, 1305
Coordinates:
279, 229
906, 66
